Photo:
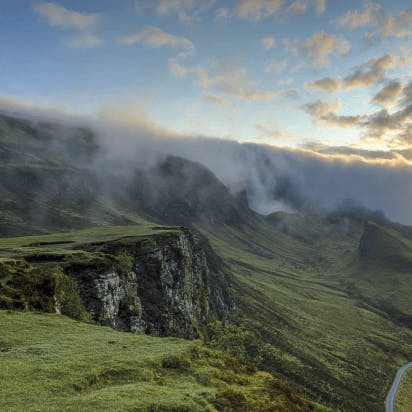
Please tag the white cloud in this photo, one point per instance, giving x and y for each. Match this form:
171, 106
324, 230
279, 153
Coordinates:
371, 15
228, 81
301, 6
257, 9
156, 37
61, 17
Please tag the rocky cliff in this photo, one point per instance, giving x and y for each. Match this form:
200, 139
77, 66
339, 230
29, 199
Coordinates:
165, 284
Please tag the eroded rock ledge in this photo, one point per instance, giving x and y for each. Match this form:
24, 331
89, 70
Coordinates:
166, 284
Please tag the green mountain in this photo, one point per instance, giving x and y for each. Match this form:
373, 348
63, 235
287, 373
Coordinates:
321, 299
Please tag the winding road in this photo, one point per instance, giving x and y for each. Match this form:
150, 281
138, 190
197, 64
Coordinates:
390, 399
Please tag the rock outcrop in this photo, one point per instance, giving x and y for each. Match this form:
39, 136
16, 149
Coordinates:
162, 285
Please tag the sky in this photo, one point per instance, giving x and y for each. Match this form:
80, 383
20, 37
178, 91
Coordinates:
297, 73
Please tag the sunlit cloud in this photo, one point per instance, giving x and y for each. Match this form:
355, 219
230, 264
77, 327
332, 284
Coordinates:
229, 81
363, 77
327, 112
367, 74
59, 16
301, 6
257, 9
326, 84
372, 15
320, 46
156, 37
385, 62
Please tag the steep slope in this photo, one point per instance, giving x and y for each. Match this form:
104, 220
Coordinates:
293, 295
379, 272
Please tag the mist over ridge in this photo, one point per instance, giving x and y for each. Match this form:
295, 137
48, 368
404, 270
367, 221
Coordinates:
274, 178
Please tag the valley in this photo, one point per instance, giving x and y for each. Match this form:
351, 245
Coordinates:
317, 299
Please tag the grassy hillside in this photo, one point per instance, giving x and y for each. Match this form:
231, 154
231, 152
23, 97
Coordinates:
316, 331
403, 400
52, 363
379, 273
323, 300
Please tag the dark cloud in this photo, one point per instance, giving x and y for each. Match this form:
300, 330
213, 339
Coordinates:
388, 95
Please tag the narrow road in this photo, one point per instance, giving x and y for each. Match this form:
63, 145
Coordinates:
390, 399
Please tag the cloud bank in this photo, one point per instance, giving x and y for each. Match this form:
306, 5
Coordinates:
307, 178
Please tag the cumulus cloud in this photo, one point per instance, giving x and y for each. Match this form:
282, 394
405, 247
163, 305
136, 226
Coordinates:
363, 77
257, 9
320, 46
228, 80
382, 123
85, 41
407, 93
369, 73
388, 95
398, 26
301, 6
372, 15
327, 112
268, 43
385, 62
59, 16
156, 37
185, 10
326, 84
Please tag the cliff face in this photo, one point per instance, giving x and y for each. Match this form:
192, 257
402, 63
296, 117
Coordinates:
161, 285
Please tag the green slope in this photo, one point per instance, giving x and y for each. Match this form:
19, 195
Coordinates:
52, 363
326, 298
315, 330
379, 272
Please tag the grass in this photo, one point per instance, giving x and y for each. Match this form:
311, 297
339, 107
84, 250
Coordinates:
308, 297
318, 333
52, 363
72, 242
403, 400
